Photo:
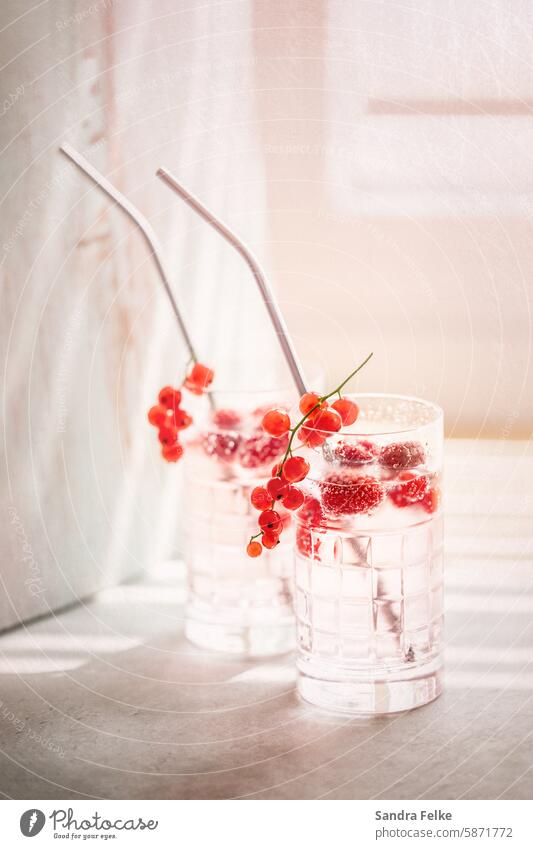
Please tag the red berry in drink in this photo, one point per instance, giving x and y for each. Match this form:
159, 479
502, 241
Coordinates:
172, 453
431, 500
277, 488
199, 378
293, 498
308, 401
355, 453
168, 435
347, 410
169, 397
344, 494
295, 469
311, 512
270, 540
277, 471
227, 419
307, 543
260, 498
402, 455
157, 415
270, 520
276, 422
412, 489
254, 548
259, 450
224, 446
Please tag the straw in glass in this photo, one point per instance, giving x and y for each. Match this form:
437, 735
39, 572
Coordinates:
264, 288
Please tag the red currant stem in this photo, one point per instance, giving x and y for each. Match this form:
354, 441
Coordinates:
294, 430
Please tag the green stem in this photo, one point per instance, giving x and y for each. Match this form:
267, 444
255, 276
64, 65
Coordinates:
294, 430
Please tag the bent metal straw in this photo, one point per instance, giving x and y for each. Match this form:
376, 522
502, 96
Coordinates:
143, 225
262, 283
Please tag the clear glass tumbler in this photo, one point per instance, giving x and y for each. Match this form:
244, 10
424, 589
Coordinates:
369, 562
235, 603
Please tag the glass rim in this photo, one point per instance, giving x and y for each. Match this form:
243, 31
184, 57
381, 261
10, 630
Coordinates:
438, 416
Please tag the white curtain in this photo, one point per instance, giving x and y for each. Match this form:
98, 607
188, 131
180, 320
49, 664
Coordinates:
87, 336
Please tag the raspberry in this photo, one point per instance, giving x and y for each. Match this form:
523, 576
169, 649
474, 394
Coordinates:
347, 410
258, 450
226, 419
431, 500
402, 455
413, 489
343, 494
356, 453
221, 445
311, 512
304, 543
276, 422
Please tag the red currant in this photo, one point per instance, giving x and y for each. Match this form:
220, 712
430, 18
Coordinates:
157, 415
270, 540
295, 469
347, 410
168, 435
327, 420
169, 397
277, 488
308, 401
260, 498
269, 520
172, 453
309, 436
181, 419
199, 379
276, 422
293, 498
254, 548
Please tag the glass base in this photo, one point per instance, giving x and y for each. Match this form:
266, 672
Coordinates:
247, 633
344, 691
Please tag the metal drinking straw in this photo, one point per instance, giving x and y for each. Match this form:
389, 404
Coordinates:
144, 226
262, 283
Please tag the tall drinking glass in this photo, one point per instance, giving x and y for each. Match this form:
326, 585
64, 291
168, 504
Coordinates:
236, 604
369, 562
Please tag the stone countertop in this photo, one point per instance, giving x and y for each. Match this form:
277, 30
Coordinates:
107, 699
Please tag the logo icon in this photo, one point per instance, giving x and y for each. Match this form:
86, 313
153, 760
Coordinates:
32, 822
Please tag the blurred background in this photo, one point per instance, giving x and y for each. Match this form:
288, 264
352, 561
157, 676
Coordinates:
377, 158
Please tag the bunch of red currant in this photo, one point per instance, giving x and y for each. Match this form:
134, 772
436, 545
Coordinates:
169, 418
319, 420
